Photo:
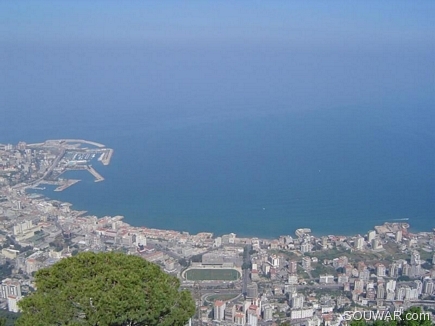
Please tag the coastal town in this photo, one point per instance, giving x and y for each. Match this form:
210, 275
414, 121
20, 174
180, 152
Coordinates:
300, 278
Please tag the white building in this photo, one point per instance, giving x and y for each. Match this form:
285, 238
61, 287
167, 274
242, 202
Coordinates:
359, 243
415, 258
219, 310
252, 318
371, 235
10, 287
267, 312
13, 303
399, 236
301, 313
391, 286
326, 279
381, 270
298, 301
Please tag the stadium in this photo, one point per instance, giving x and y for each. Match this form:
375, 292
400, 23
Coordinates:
224, 272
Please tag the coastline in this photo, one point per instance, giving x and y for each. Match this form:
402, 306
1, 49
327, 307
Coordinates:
140, 218
315, 232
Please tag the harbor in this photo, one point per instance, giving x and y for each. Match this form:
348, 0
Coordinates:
67, 155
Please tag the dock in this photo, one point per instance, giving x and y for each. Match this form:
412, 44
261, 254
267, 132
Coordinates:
107, 156
98, 177
67, 183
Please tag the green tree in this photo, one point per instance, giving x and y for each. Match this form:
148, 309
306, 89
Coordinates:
106, 289
414, 317
411, 317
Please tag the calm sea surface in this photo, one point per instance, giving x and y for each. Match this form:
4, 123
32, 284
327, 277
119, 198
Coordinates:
336, 171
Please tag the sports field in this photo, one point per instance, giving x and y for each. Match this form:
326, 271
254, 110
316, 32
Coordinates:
212, 274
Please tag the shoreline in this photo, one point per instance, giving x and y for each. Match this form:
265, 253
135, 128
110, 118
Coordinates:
105, 158
314, 232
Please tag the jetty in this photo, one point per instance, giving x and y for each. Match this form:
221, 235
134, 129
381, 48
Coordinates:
67, 183
98, 177
106, 156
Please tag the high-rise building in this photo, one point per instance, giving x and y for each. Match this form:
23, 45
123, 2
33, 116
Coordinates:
252, 317
400, 294
305, 247
415, 258
371, 236
381, 270
406, 269
415, 270
293, 267
10, 287
381, 292
359, 285
239, 319
301, 313
306, 263
390, 295
324, 243
274, 260
342, 278
394, 270
359, 243
298, 301
399, 236
428, 286
292, 279
418, 286
407, 293
348, 270
413, 295
267, 312
219, 310
365, 274
326, 279
13, 303
141, 239
376, 244
391, 285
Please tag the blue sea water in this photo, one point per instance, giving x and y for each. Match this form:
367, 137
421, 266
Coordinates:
253, 136
266, 173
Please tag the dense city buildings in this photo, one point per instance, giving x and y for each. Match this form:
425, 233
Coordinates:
305, 279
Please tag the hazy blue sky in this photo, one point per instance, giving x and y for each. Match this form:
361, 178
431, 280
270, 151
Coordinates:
302, 23
176, 56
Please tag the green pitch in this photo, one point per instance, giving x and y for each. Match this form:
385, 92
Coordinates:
212, 275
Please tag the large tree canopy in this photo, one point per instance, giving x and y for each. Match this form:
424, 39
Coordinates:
106, 289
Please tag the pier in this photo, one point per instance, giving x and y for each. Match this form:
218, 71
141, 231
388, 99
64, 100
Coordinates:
66, 184
107, 156
98, 177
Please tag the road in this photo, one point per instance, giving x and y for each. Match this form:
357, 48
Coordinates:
52, 166
245, 272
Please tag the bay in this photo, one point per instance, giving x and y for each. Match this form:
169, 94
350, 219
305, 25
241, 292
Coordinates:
336, 171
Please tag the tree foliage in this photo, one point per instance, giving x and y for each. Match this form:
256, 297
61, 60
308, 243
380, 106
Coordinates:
8, 318
418, 319
106, 289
